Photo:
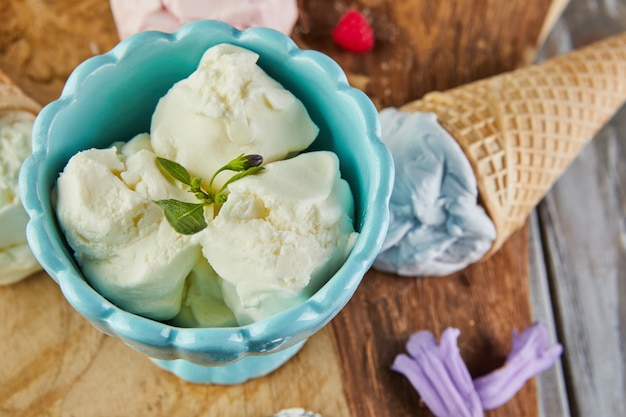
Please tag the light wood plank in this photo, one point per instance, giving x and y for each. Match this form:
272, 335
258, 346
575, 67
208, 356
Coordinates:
583, 221
551, 390
55, 364
585, 234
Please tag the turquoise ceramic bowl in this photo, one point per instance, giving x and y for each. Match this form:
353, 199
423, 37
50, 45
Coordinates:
111, 97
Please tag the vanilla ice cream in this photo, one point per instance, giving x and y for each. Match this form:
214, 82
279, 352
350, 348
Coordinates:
227, 107
16, 259
203, 301
124, 245
281, 234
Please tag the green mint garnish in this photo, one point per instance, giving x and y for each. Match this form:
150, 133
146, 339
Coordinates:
188, 218
240, 175
176, 170
185, 218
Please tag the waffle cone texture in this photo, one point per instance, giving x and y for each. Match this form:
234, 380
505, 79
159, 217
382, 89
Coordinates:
12, 99
520, 130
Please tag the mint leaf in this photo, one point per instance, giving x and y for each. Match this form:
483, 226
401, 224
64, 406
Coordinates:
176, 170
185, 218
188, 218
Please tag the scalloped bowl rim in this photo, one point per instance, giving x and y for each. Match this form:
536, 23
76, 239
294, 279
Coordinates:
138, 331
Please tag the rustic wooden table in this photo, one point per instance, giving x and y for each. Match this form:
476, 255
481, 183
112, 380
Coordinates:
578, 249
53, 363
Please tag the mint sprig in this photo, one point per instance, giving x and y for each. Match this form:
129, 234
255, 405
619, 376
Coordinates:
188, 218
185, 218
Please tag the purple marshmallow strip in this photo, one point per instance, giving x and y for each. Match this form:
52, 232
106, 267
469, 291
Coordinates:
441, 377
530, 356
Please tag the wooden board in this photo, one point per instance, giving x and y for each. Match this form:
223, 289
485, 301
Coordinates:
55, 364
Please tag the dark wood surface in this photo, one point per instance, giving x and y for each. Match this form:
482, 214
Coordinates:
55, 364
486, 301
424, 45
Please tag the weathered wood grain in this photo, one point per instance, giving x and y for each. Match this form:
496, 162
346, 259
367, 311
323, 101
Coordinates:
42, 42
55, 364
585, 236
583, 223
552, 394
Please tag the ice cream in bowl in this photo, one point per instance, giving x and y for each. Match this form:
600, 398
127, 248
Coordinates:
213, 197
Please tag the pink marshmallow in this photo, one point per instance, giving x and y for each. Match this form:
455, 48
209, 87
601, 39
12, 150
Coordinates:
169, 15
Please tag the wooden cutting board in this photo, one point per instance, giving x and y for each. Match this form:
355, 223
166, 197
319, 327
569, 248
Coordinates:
53, 363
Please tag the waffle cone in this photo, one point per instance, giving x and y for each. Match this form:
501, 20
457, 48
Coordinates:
520, 130
12, 99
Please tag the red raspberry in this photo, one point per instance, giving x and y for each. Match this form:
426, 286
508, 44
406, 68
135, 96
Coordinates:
353, 33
